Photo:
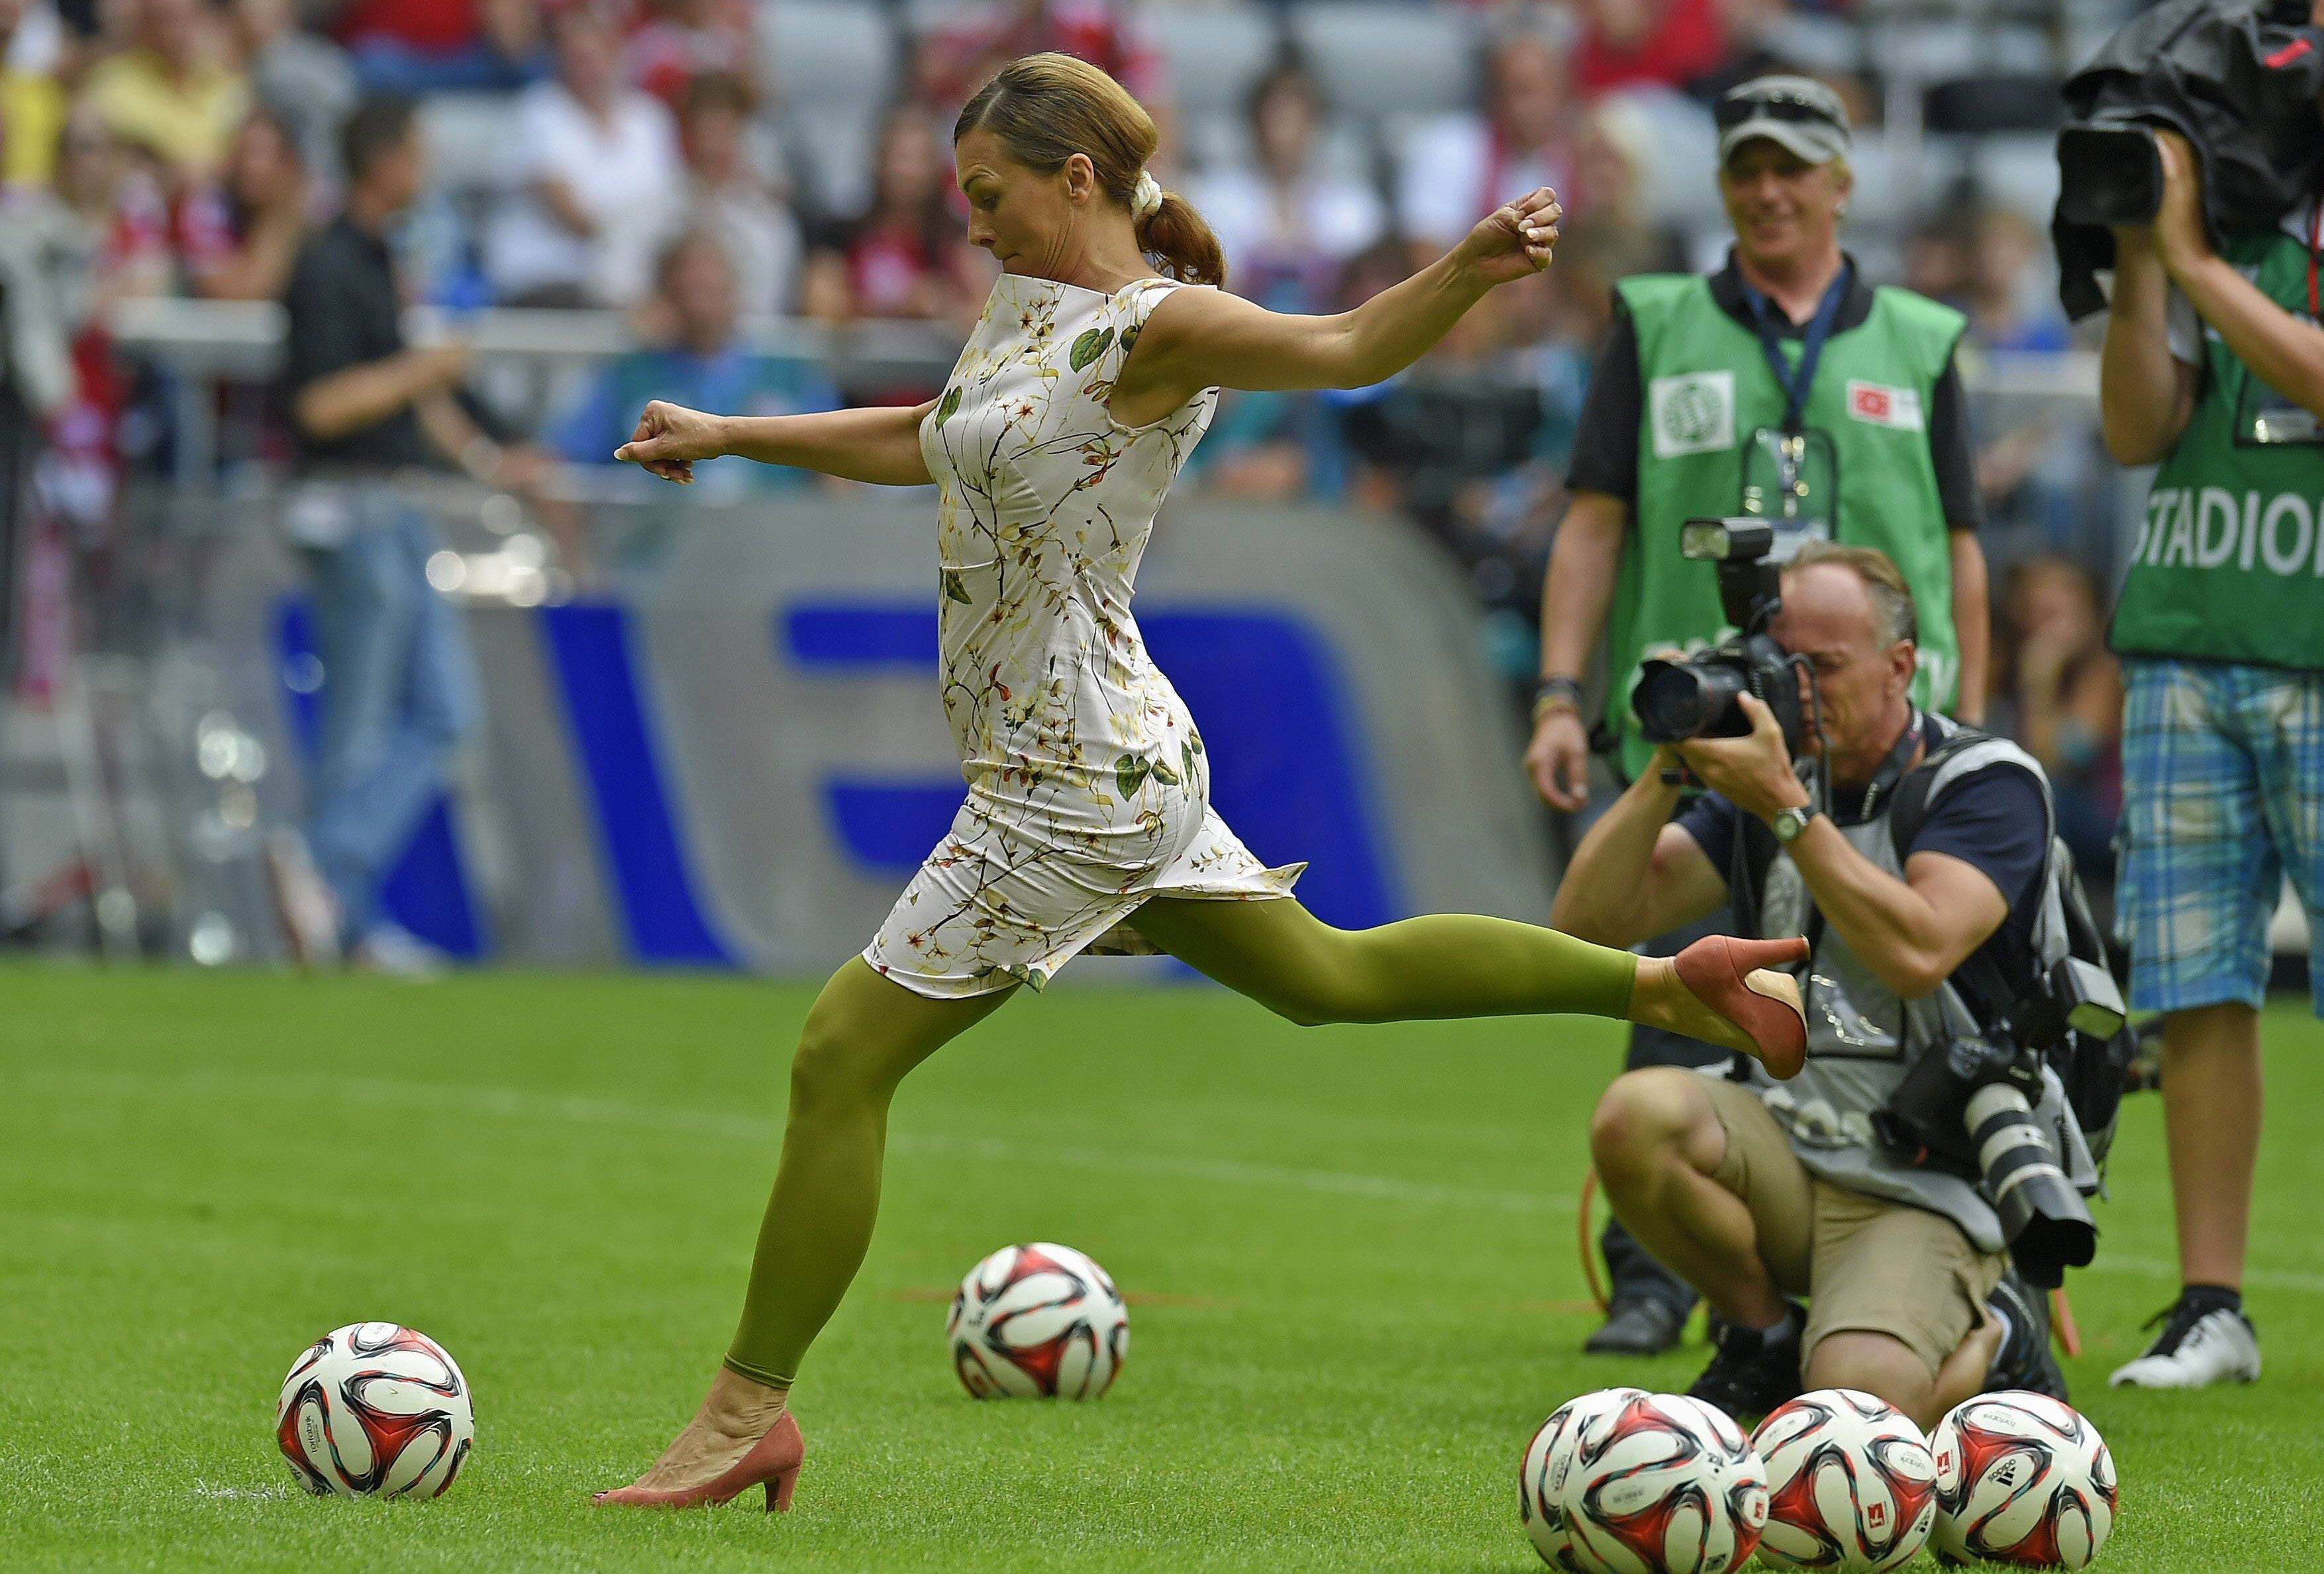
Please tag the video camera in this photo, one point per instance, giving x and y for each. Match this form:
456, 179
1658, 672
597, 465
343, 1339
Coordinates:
2238, 79
1697, 697
1968, 1104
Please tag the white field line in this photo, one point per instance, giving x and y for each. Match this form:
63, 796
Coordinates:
523, 1104
2161, 1268
244, 1494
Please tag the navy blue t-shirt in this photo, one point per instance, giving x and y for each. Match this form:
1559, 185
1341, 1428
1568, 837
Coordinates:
1990, 819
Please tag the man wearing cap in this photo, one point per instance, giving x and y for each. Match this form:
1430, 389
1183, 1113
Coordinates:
1785, 386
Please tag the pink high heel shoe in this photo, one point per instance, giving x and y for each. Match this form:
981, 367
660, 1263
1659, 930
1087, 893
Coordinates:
1723, 973
773, 1462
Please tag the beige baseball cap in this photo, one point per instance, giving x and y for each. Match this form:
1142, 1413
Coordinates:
1796, 112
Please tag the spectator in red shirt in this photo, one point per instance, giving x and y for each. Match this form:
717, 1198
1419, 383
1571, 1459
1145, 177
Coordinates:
408, 49
237, 239
954, 57
909, 256
676, 40
1630, 43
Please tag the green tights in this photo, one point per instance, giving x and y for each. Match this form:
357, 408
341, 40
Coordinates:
864, 1032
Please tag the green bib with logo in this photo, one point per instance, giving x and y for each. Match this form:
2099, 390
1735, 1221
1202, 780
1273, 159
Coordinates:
2229, 561
1708, 389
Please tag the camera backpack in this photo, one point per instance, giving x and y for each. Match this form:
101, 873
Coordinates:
2093, 1069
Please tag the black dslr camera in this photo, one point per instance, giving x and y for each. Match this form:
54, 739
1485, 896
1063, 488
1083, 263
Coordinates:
1968, 1106
1697, 697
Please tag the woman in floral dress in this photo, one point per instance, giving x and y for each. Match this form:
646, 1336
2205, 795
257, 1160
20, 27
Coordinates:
1087, 824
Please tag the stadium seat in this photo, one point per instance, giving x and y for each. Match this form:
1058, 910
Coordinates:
1215, 55
2004, 102
819, 53
2018, 171
1941, 51
1384, 58
467, 137
1809, 41
835, 145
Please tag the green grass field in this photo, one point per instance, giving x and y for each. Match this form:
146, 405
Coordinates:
1350, 1255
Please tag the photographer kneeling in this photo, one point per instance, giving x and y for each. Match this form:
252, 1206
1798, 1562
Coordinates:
1755, 1191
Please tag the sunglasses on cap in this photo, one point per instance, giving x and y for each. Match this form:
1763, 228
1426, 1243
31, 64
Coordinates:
1731, 112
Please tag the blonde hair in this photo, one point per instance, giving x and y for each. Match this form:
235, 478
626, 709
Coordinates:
1894, 615
1045, 109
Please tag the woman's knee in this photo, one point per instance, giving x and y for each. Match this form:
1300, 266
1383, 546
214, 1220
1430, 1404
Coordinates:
1645, 1115
833, 1062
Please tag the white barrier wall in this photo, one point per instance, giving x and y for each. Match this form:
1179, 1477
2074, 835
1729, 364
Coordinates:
732, 751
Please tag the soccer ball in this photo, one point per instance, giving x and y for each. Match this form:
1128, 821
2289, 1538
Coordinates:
1851, 1486
1662, 1484
2024, 1480
1541, 1475
1038, 1321
375, 1410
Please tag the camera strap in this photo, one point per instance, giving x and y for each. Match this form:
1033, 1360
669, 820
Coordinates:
1798, 383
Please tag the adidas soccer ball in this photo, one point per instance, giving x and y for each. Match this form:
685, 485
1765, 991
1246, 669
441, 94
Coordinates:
1851, 1486
1038, 1321
1541, 1475
375, 1410
2022, 1479
1662, 1484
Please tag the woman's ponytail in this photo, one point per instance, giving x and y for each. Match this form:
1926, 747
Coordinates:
1182, 239
1045, 109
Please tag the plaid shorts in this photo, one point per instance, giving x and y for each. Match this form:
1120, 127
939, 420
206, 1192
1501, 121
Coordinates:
2223, 795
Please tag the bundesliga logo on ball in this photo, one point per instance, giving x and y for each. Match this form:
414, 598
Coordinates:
1037, 1321
1851, 1486
372, 1409
2024, 1480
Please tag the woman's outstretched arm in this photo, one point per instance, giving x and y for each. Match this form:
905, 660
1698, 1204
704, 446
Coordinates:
879, 444
1207, 338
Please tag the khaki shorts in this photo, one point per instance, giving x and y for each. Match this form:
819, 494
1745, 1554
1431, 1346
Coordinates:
1864, 1262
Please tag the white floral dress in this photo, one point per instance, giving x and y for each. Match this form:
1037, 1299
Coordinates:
1088, 791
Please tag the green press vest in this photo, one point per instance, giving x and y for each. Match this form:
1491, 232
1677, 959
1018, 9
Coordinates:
1707, 388
2228, 564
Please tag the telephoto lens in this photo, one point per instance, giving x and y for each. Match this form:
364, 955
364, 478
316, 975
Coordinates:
2044, 1217
1678, 700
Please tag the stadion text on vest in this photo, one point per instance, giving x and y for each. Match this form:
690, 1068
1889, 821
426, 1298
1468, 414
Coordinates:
2210, 527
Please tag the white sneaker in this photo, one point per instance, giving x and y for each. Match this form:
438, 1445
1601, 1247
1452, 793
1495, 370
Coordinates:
392, 950
2195, 1351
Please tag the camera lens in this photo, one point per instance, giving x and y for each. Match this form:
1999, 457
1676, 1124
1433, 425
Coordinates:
2042, 1217
1678, 700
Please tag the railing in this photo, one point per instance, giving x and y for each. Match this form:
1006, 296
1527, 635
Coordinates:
202, 343
206, 342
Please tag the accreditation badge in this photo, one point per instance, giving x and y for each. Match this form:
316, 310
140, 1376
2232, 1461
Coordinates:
2266, 419
1792, 479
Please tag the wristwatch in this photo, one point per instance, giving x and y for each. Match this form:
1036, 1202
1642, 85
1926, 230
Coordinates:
1791, 824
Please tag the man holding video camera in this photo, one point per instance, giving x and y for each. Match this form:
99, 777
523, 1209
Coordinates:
2214, 368
1890, 1180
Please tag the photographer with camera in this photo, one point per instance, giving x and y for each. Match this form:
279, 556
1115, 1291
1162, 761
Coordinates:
1926, 1138
1784, 384
2214, 368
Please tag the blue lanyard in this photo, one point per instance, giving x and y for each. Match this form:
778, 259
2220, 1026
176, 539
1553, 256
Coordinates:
1796, 384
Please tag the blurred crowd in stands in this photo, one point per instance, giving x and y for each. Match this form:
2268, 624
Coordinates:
697, 164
